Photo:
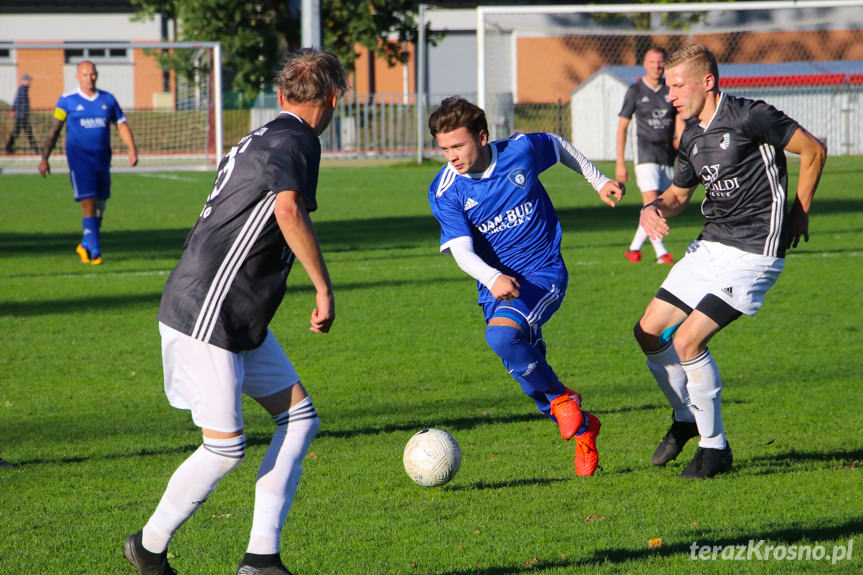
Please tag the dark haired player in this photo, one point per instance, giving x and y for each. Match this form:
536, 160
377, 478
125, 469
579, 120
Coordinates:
499, 224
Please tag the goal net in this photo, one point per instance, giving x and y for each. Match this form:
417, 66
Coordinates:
169, 92
538, 65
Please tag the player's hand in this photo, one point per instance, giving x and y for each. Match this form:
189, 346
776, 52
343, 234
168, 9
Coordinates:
133, 159
621, 174
324, 314
653, 222
612, 192
798, 225
44, 168
505, 287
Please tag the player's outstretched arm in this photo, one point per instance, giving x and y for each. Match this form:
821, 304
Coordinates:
297, 229
576, 161
129, 140
50, 142
499, 284
620, 171
670, 203
813, 156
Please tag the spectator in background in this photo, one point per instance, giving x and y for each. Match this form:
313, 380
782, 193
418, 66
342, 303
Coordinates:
20, 110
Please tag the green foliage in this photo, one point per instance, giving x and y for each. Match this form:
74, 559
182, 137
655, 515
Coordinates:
256, 35
84, 417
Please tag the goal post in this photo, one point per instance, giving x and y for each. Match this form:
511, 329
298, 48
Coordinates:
539, 63
175, 113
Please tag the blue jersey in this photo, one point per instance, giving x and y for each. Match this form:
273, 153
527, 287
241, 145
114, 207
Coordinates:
88, 128
505, 210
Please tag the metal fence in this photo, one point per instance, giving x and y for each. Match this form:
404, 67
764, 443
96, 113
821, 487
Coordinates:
385, 125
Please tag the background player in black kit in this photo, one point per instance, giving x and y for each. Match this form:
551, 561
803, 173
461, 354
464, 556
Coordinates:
734, 147
654, 143
215, 311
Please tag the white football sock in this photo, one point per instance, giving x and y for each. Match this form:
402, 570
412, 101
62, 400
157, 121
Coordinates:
191, 485
669, 374
638, 240
279, 475
705, 389
659, 248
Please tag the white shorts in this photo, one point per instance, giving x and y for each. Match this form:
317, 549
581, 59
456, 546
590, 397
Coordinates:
210, 381
740, 279
653, 177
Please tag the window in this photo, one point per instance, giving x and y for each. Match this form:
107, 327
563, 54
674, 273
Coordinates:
73, 55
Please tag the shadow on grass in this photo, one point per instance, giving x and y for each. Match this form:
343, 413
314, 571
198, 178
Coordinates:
621, 556
505, 484
78, 305
794, 460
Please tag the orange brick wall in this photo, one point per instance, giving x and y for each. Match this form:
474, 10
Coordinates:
46, 67
148, 79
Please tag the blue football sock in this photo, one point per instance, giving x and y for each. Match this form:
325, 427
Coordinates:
90, 241
526, 364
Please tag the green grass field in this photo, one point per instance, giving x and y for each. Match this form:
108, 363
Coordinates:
84, 417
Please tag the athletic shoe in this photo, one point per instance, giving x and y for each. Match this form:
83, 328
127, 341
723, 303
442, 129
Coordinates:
272, 570
633, 255
708, 462
87, 257
586, 456
672, 444
665, 258
566, 409
145, 562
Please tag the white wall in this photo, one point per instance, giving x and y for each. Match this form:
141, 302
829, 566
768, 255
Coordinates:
76, 28
594, 109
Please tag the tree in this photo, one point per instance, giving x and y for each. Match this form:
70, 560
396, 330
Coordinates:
255, 34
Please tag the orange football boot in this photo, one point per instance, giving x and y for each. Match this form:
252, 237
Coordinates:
586, 456
566, 409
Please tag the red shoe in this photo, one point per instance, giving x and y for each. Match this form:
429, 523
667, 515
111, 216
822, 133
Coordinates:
586, 457
633, 255
566, 408
665, 259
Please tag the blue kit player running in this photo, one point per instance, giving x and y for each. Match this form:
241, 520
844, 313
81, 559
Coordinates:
499, 224
89, 113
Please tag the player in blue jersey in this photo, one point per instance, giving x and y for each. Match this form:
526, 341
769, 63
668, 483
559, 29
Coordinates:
89, 113
734, 148
499, 224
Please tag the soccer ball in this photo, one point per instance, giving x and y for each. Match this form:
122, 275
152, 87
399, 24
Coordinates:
432, 457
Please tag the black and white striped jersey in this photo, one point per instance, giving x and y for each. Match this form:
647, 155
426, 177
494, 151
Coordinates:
653, 138
740, 160
231, 276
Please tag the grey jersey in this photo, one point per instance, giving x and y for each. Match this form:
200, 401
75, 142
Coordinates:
231, 276
740, 160
654, 123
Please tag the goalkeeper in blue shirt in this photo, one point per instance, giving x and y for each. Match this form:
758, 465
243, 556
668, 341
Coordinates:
89, 113
499, 224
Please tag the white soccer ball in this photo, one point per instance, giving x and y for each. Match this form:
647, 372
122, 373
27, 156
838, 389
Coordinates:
432, 457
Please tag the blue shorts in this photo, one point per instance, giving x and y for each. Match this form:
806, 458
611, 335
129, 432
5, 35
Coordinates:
88, 183
539, 297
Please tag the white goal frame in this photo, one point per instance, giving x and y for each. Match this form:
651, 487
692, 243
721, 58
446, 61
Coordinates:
205, 161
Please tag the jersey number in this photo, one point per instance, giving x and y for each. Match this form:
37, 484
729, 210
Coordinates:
227, 169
